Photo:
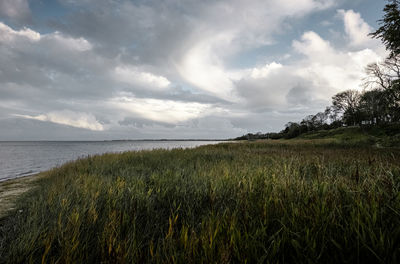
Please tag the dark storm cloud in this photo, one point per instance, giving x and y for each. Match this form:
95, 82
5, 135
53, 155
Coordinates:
147, 33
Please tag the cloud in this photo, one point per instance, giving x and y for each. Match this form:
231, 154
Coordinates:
300, 95
311, 44
167, 111
221, 36
188, 40
77, 44
17, 10
30, 129
51, 66
8, 35
330, 69
305, 85
143, 69
203, 69
265, 71
265, 92
356, 28
69, 118
133, 76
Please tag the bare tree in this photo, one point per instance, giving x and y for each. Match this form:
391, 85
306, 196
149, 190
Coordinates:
319, 119
331, 113
385, 76
347, 103
376, 77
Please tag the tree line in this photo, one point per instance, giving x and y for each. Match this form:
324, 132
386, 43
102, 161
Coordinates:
379, 102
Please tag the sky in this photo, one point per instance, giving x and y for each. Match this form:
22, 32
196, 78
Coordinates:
168, 69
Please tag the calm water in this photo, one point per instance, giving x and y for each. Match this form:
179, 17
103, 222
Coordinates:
18, 159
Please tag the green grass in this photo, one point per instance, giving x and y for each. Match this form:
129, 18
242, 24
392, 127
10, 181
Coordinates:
298, 201
385, 135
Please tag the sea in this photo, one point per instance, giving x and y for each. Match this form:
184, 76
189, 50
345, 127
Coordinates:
23, 158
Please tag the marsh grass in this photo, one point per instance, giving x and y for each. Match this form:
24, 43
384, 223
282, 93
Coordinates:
304, 201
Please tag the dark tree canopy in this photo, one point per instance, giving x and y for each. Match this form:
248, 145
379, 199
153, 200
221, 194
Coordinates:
389, 32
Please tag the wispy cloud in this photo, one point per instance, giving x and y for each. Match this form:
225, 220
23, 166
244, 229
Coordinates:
69, 118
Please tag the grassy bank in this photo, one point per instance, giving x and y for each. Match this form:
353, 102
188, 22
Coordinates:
382, 136
298, 201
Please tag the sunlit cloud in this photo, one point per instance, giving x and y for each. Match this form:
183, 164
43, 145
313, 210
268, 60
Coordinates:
8, 35
133, 76
167, 111
356, 28
69, 118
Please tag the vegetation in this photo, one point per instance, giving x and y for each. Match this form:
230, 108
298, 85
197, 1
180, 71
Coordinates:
326, 197
385, 136
377, 106
389, 31
319, 201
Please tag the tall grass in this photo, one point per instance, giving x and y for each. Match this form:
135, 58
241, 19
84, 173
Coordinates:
260, 202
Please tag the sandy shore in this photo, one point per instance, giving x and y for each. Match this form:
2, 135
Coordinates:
11, 189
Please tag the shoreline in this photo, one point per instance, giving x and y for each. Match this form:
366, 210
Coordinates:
2, 180
11, 190
51, 156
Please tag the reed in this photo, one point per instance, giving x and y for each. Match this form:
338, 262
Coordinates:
304, 201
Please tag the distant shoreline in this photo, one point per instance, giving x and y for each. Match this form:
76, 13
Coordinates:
120, 140
19, 160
